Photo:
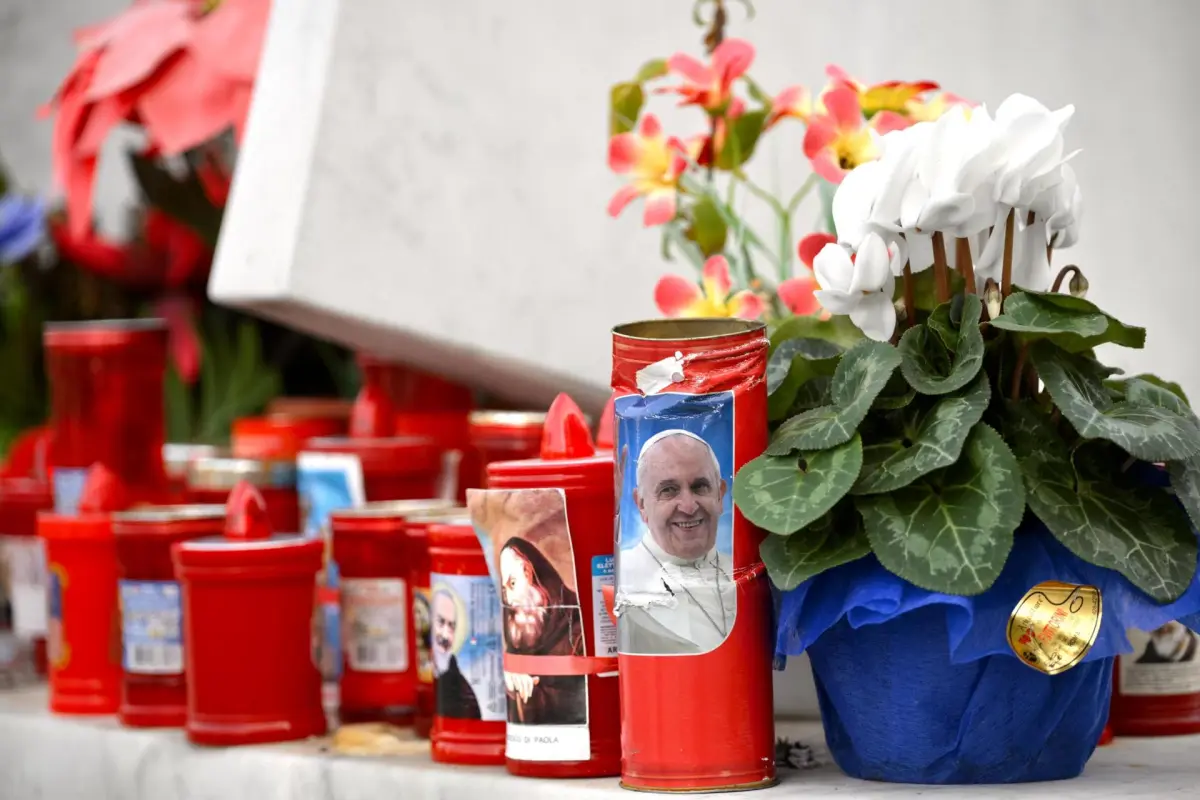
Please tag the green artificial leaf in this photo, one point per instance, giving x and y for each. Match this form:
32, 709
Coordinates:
625, 103
925, 288
952, 530
177, 407
181, 198
234, 381
794, 363
1062, 307
756, 92
859, 378
707, 228
741, 140
932, 368
1147, 432
675, 239
839, 330
896, 395
835, 539
931, 439
655, 68
784, 494
1099, 514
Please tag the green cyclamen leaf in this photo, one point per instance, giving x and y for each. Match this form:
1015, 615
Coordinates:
1137, 530
951, 531
859, 378
896, 395
1062, 306
1147, 432
1184, 473
792, 364
783, 494
833, 540
1029, 314
927, 365
937, 442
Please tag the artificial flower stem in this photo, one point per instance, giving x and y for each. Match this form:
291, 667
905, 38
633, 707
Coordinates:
1006, 273
910, 296
941, 268
801, 193
962, 257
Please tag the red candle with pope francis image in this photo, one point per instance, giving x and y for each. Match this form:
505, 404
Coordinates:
692, 598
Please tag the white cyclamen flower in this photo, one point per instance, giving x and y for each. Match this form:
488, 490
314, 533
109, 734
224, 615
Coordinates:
1062, 208
853, 201
957, 169
861, 287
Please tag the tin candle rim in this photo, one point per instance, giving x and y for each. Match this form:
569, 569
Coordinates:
507, 419
166, 513
686, 329
395, 508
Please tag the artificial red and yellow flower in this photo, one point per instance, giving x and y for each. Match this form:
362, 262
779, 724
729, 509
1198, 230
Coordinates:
710, 86
654, 163
702, 148
794, 102
921, 109
891, 96
183, 70
839, 139
679, 297
811, 244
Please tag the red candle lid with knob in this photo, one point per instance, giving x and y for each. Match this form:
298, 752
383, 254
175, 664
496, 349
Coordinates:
249, 599
550, 519
84, 630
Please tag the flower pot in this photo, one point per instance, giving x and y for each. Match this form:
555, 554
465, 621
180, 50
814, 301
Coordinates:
922, 687
895, 707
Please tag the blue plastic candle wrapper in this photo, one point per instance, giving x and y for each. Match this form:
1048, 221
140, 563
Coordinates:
922, 687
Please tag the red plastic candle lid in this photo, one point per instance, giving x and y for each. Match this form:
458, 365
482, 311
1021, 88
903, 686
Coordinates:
20, 501
372, 414
104, 334
161, 519
248, 537
392, 455
568, 457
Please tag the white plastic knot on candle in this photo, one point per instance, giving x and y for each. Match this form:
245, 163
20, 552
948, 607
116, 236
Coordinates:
653, 378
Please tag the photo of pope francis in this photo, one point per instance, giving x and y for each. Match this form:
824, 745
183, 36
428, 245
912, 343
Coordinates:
675, 588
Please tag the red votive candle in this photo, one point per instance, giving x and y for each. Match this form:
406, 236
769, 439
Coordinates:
470, 705
248, 605
210, 480
548, 527
505, 436
176, 458
279, 437
379, 677
1156, 688
416, 532
154, 689
394, 468
106, 389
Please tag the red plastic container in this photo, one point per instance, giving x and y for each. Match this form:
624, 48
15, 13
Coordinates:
505, 436
1156, 688
412, 389
416, 531
154, 689
210, 480
177, 457
279, 437
106, 385
584, 481
248, 610
450, 432
24, 556
84, 628
394, 468
379, 675
708, 374
470, 705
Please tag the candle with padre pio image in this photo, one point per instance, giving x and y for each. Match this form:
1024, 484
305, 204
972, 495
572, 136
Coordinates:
692, 599
545, 525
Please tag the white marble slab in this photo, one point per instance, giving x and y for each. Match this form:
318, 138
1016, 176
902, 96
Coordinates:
59, 758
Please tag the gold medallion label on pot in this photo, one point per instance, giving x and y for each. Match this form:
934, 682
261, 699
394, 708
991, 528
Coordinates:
1055, 625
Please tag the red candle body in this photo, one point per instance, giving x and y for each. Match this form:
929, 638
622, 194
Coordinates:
21, 499
700, 719
416, 532
84, 638
106, 385
469, 712
505, 436
248, 639
280, 437
154, 687
587, 488
1156, 688
378, 680
395, 468
459, 464
210, 479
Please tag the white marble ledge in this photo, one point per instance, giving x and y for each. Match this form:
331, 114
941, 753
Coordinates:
56, 758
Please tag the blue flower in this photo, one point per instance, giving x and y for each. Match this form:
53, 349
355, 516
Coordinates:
22, 227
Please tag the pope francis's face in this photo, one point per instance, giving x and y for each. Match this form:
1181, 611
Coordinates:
680, 495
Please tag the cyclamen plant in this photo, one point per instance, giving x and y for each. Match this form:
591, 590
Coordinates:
973, 402
694, 187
